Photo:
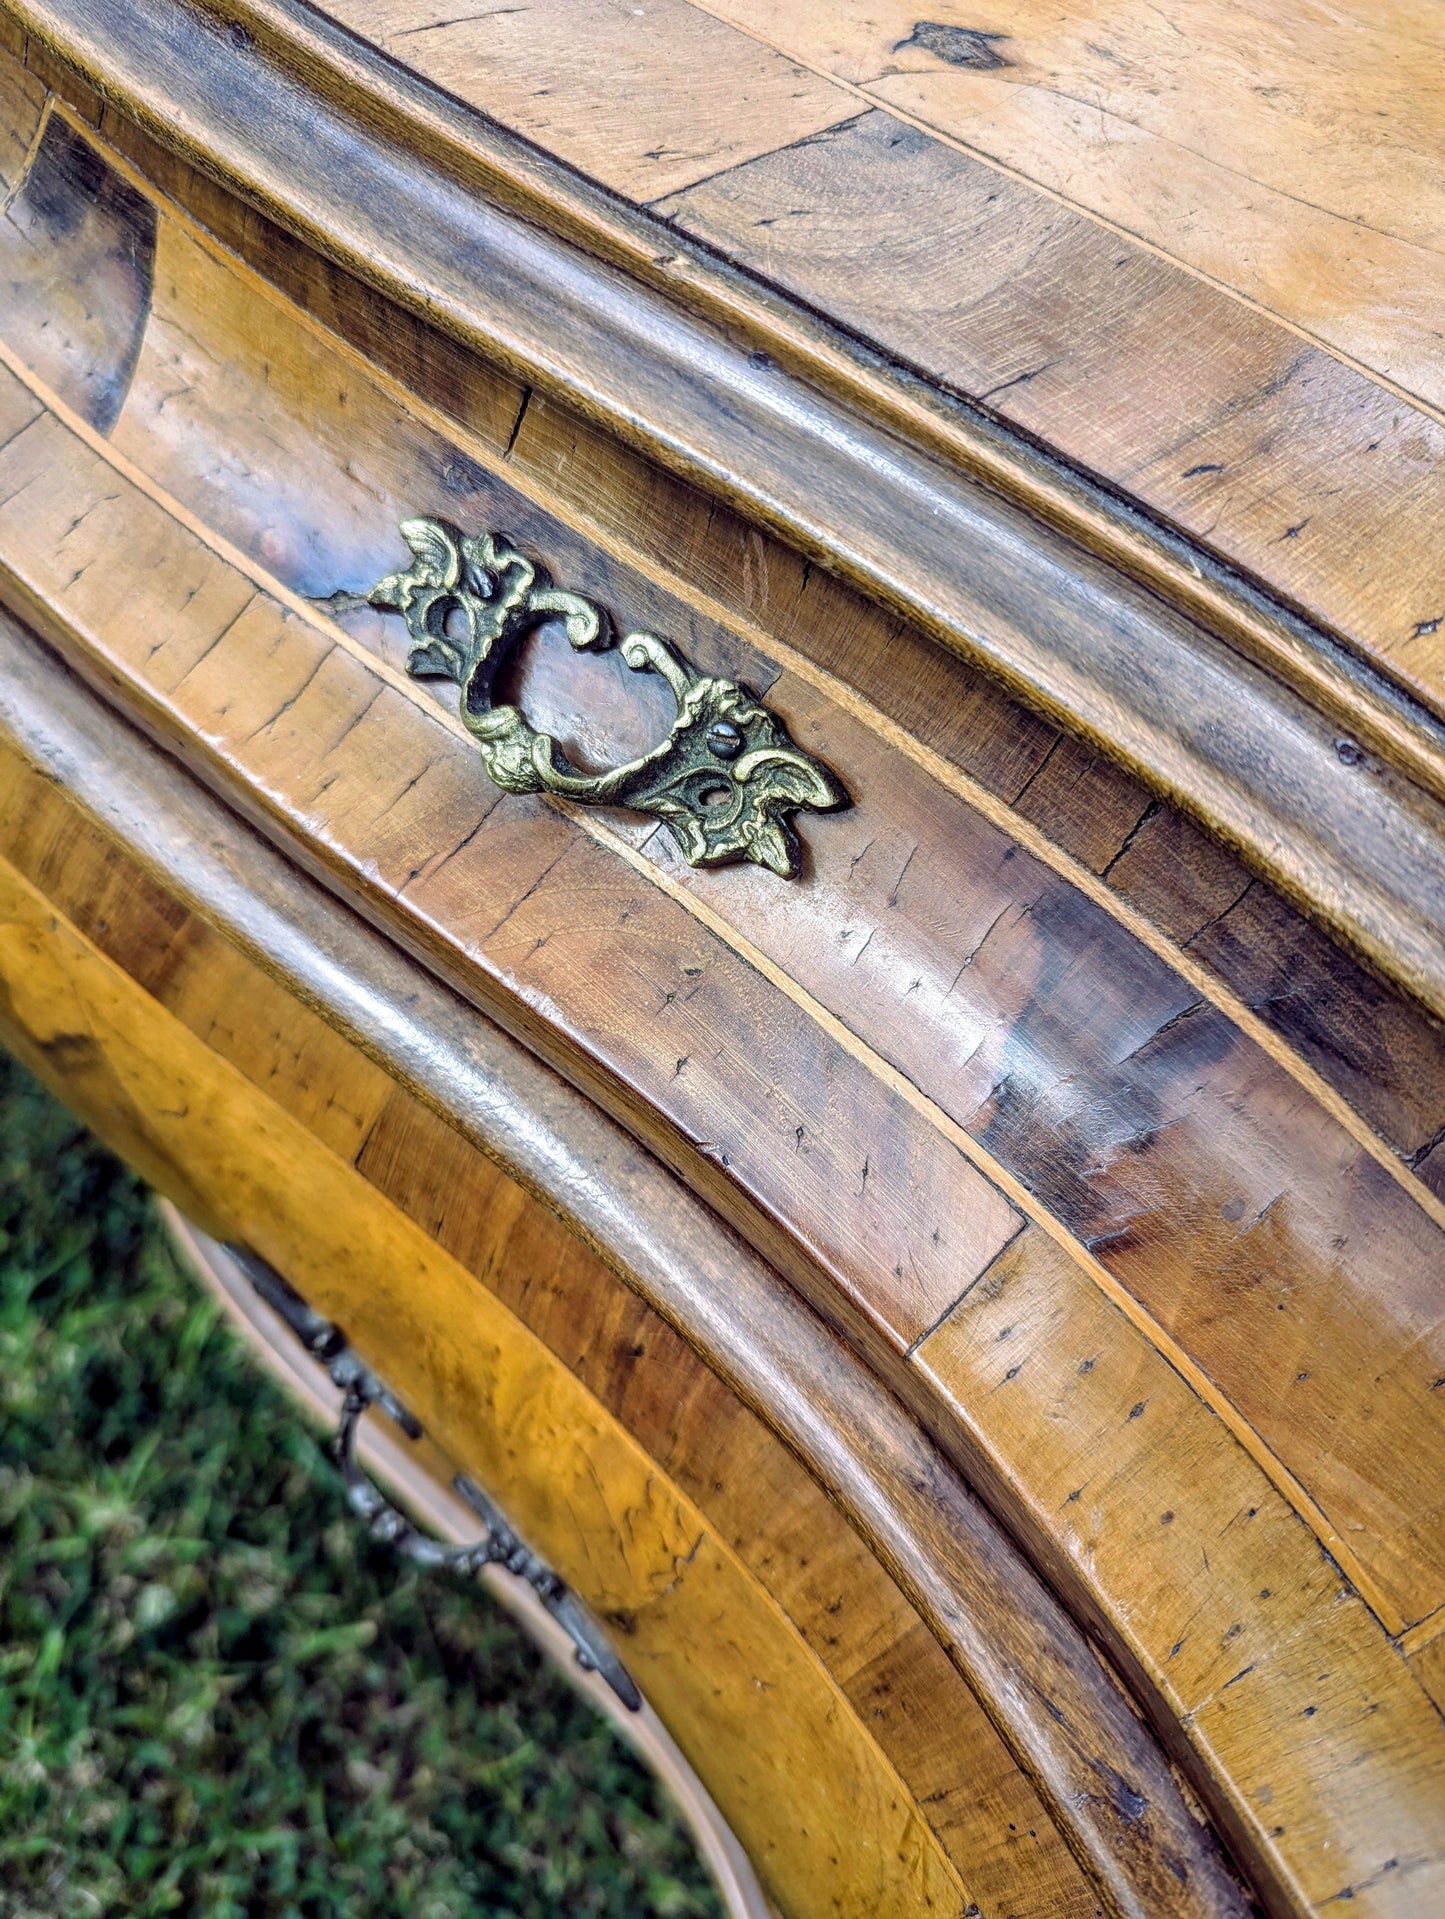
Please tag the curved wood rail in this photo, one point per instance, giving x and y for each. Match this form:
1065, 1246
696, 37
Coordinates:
1333, 820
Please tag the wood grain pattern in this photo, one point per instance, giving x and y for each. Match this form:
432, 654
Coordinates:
1123, 1103
1255, 417
1429, 1667
680, 95
700, 1635
1150, 1176
1295, 466
1289, 152
1114, 1445
972, 1796
1294, 434
314, 492
286, 455
989, 584
1133, 1136
352, 976
50, 839
1233, 437
22, 102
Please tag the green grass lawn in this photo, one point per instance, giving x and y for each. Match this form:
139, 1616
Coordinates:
216, 1696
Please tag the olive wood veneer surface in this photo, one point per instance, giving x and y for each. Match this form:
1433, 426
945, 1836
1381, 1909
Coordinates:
938, 205
951, 1068
1352, 1798
1325, 775
1288, 151
882, 1074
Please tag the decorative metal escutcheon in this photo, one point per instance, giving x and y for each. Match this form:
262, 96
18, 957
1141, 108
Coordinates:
726, 779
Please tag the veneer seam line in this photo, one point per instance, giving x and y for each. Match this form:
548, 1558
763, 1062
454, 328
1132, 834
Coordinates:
979, 1277
22, 174
995, 809
1423, 1633
860, 92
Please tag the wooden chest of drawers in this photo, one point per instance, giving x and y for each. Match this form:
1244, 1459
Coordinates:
933, 1218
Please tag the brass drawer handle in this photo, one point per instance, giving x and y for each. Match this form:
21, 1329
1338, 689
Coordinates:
500, 1545
725, 779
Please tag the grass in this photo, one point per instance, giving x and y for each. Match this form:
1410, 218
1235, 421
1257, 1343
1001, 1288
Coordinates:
216, 1697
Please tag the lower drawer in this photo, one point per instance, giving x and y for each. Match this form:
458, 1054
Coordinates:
825, 1720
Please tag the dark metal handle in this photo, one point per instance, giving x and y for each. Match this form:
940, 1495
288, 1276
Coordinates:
500, 1545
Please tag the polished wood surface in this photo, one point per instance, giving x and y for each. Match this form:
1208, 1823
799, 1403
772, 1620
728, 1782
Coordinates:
22, 102
684, 96
1289, 155
964, 1136
1038, 1143
1287, 151
81, 325
1297, 467
1120, 1460
1428, 1661
1063, 618
71, 746
1281, 978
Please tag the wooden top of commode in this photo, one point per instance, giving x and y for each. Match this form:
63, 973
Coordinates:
1195, 248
